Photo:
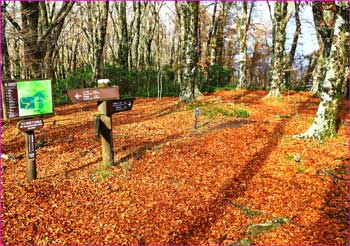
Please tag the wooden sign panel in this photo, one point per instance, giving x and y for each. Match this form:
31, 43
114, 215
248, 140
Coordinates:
93, 94
115, 106
27, 98
30, 141
30, 125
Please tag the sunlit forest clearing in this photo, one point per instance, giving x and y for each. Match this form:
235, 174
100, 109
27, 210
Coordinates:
227, 125
176, 184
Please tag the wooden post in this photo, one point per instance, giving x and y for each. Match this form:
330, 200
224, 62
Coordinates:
30, 151
196, 115
3, 101
106, 135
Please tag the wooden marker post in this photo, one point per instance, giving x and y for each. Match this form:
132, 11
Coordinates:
197, 112
30, 151
28, 127
105, 133
107, 104
104, 125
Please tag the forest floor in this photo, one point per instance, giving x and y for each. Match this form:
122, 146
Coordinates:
230, 181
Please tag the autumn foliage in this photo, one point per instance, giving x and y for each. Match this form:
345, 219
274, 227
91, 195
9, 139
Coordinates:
231, 180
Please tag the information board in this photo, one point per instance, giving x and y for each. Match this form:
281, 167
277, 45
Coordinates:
27, 98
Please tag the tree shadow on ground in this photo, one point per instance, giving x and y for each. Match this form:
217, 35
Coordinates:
231, 190
249, 98
133, 117
332, 225
141, 150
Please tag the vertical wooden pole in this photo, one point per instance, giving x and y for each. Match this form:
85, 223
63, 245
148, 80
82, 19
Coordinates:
3, 101
197, 112
106, 134
30, 151
195, 122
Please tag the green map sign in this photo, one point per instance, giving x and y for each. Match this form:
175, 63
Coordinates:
28, 98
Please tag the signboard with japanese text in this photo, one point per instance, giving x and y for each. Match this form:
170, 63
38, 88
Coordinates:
27, 98
93, 94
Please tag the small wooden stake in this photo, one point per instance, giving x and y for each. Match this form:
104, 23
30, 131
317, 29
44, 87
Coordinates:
30, 151
106, 135
196, 116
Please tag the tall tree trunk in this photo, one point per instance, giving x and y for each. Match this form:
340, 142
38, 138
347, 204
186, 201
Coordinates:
324, 23
189, 12
319, 72
211, 42
135, 50
100, 42
33, 54
6, 68
123, 50
293, 49
243, 23
311, 67
37, 35
280, 20
225, 8
324, 124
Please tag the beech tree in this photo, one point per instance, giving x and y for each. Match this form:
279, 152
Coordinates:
96, 33
324, 24
215, 43
324, 123
291, 56
123, 35
6, 69
189, 49
39, 31
243, 18
282, 13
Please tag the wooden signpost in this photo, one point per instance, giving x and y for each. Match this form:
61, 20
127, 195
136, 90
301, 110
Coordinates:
28, 127
105, 134
108, 103
25, 99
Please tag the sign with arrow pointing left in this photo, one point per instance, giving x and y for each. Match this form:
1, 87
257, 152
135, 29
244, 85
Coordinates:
93, 94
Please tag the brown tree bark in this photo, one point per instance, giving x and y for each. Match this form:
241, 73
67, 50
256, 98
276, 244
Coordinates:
6, 68
37, 40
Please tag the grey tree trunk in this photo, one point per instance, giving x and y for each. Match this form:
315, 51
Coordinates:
225, 8
135, 50
100, 42
311, 67
243, 22
123, 49
37, 35
324, 23
211, 42
279, 21
293, 49
324, 124
189, 12
319, 73
6, 68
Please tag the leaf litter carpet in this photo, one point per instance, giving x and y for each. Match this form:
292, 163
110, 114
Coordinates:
229, 181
